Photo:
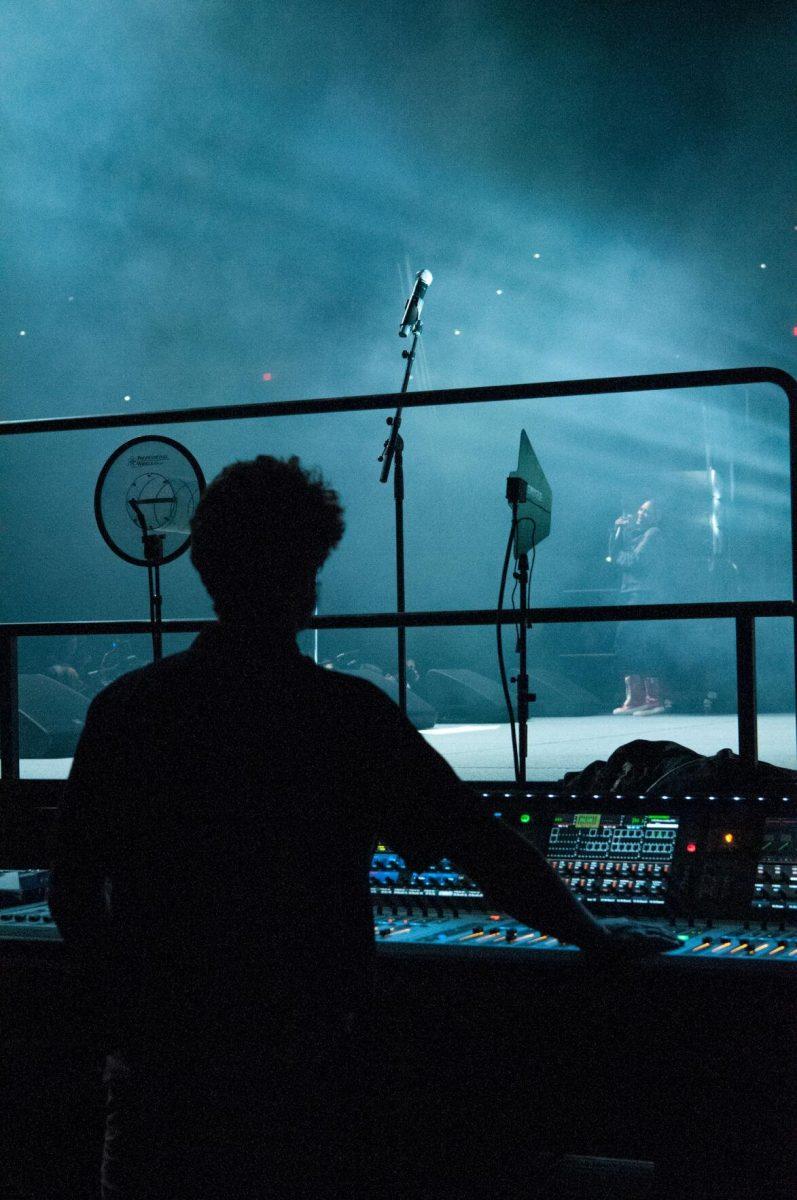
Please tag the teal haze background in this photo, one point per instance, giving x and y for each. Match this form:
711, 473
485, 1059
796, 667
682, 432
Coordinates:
210, 203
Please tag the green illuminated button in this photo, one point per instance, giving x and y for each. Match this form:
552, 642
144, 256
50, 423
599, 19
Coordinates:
525, 818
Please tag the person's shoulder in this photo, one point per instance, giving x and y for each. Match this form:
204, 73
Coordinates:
153, 678
350, 689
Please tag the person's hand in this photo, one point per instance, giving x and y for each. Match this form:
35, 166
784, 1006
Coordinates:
619, 937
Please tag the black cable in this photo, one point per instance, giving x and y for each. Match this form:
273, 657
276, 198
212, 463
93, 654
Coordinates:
533, 544
501, 665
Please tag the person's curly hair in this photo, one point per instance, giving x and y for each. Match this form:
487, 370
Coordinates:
259, 536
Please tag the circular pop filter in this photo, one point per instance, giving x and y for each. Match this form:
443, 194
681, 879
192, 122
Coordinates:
163, 481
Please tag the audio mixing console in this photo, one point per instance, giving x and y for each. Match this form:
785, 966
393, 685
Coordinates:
571, 1054
720, 873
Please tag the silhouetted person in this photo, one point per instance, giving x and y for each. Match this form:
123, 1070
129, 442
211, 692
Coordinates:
211, 875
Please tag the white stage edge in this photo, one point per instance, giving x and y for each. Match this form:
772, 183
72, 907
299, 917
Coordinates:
560, 744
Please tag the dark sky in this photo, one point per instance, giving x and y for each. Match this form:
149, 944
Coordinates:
198, 193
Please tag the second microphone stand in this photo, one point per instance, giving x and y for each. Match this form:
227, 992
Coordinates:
516, 490
393, 452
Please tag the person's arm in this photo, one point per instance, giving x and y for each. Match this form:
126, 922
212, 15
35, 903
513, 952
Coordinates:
518, 880
645, 552
427, 813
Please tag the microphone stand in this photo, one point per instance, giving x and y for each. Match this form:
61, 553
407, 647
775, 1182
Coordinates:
524, 696
516, 494
393, 452
153, 553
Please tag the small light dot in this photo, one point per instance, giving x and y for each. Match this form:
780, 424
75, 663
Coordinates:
126, 398
457, 332
23, 333
71, 299
536, 254
266, 376
763, 266
499, 291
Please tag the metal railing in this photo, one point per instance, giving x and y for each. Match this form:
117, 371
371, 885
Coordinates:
743, 613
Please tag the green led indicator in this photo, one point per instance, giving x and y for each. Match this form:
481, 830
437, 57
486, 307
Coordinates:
525, 818
683, 937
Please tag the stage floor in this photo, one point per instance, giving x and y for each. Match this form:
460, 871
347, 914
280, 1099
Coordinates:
560, 744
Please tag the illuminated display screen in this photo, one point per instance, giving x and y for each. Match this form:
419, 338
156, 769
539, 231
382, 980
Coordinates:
614, 858
776, 872
389, 876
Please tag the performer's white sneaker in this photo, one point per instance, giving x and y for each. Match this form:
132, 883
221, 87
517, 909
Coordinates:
653, 702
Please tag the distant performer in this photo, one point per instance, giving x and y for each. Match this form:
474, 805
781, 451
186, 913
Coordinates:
642, 553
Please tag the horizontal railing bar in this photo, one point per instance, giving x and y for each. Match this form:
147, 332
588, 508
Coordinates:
719, 610
473, 395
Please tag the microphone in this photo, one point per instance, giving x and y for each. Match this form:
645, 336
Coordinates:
412, 313
615, 533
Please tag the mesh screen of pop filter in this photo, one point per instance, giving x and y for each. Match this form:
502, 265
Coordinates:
164, 480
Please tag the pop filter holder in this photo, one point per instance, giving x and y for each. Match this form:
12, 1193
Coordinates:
145, 497
530, 498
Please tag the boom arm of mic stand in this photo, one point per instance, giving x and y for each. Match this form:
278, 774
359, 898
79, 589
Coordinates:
394, 449
389, 451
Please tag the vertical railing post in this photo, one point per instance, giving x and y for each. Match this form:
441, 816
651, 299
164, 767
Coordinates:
793, 488
746, 700
9, 707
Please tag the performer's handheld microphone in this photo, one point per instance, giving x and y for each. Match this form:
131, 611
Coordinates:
616, 533
620, 524
412, 312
